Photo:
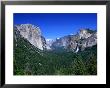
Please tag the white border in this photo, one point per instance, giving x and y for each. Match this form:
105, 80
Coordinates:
101, 27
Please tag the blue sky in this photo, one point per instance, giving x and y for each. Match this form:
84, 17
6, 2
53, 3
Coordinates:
55, 25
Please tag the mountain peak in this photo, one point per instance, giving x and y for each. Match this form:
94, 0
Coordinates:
57, 38
85, 38
32, 33
85, 33
83, 30
28, 26
87, 30
49, 39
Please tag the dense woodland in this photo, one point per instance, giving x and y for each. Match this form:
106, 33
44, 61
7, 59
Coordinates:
29, 60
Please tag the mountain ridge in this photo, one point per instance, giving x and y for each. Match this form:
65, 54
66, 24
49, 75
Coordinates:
85, 38
30, 60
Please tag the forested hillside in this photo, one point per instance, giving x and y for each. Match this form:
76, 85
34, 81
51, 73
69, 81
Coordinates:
29, 60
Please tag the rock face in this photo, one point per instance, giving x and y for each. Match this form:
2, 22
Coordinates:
43, 43
32, 34
49, 43
85, 38
84, 34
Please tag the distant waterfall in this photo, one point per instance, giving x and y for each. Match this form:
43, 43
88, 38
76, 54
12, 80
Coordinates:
77, 49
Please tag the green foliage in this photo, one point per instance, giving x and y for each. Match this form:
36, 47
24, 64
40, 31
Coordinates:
29, 60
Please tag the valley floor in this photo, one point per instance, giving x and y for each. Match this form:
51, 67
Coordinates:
29, 60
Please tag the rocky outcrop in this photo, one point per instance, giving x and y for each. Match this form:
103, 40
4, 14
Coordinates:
85, 38
43, 42
84, 34
33, 34
49, 43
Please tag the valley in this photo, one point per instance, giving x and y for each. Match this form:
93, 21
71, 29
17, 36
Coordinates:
32, 57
